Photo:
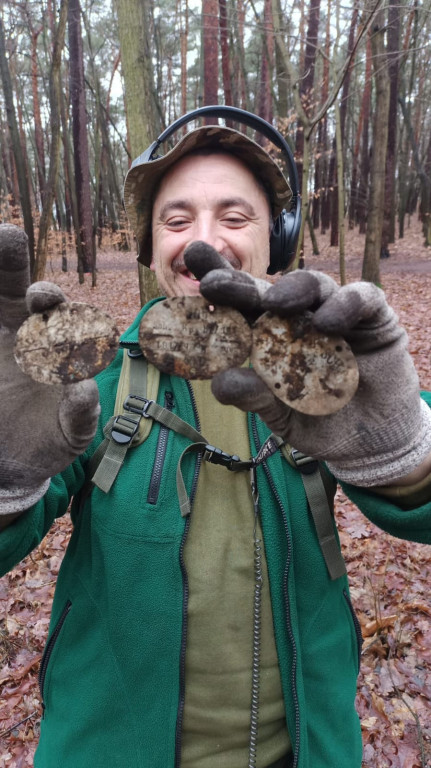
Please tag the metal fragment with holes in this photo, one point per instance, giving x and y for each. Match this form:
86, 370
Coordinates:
69, 343
189, 337
309, 371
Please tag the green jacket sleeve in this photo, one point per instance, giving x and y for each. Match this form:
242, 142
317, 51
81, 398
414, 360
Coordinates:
412, 524
28, 530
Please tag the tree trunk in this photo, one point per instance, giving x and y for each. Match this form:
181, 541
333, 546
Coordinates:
335, 182
184, 36
307, 80
18, 154
371, 262
210, 30
320, 162
267, 64
340, 200
143, 118
424, 172
225, 53
55, 124
80, 145
38, 131
393, 46
362, 196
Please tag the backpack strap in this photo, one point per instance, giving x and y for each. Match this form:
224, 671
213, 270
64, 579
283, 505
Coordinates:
320, 511
121, 430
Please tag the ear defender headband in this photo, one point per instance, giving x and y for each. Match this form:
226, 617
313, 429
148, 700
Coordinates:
286, 227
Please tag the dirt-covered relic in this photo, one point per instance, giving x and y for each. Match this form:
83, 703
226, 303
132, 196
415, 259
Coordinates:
310, 371
69, 343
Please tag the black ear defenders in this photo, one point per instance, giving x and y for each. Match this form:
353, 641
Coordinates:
285, 233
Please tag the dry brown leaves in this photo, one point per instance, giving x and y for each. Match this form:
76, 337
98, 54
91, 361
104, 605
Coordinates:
390, 579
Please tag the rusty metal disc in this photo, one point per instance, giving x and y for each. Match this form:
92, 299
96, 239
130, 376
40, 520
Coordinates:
312, 373
66, 344
189, 337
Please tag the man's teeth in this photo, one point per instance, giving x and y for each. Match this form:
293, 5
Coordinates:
192, 276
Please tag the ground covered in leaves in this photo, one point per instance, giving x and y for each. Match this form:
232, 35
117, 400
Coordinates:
390, 579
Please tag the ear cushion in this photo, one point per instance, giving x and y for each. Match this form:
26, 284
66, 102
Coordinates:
282, 242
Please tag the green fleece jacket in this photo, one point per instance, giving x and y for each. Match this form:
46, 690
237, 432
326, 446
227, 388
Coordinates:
111, 676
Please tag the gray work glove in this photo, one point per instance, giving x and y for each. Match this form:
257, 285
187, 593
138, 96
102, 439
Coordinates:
384, 432
43, 428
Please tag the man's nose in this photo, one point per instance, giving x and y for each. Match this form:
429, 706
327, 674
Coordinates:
208, 231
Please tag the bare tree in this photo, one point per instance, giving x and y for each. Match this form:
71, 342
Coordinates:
371, 262
17, 149
50, 186
80, 144
210, 29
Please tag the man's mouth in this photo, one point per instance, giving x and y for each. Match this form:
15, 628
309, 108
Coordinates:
182, 270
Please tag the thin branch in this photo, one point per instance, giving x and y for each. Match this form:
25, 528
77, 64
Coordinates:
16, 725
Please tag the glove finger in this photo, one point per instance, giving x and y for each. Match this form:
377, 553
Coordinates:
79, 413
200, 258
242, 388
235, 289
14, 276
43, 295
352, 305
299, 291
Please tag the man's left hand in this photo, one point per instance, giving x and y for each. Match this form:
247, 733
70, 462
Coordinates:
384, 432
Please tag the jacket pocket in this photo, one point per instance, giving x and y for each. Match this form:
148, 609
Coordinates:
49, 648
356, 625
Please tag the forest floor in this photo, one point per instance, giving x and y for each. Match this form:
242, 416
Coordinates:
390, 579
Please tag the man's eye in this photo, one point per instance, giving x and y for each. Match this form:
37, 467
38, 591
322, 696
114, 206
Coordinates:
177, 223
234, 219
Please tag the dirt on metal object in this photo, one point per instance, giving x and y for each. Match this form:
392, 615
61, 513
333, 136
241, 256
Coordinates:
312, 373
189, 337
69, 343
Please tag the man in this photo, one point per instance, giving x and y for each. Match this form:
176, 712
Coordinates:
183, 640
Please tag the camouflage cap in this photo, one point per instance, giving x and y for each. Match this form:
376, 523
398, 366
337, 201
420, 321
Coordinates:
143, 178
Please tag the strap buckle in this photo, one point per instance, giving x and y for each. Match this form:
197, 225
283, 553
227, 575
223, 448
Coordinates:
306, 464
137, 404
124, 429
217, 456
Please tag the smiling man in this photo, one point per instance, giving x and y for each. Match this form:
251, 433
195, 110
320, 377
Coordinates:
218, 634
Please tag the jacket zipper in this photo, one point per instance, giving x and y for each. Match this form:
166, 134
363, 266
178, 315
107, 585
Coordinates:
356, 624
162, 443
49, 649
289, 627
182, 685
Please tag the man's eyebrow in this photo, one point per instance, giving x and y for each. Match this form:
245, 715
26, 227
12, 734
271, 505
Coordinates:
224, 202
180, 204
228, 202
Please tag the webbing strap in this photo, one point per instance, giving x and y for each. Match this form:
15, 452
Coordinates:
171, 421
321, 513
122, 430
216, 456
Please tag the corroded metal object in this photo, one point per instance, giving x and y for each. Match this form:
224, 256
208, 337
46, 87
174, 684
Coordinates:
312, 373
189, 337
66, 344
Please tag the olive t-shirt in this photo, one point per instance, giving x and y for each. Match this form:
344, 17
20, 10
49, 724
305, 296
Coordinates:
219, 557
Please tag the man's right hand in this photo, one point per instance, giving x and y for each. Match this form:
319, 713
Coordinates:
43, 428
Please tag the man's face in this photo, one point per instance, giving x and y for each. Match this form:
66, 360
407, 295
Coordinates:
214, 198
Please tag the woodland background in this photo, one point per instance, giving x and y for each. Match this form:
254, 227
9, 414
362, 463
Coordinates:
85, 88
